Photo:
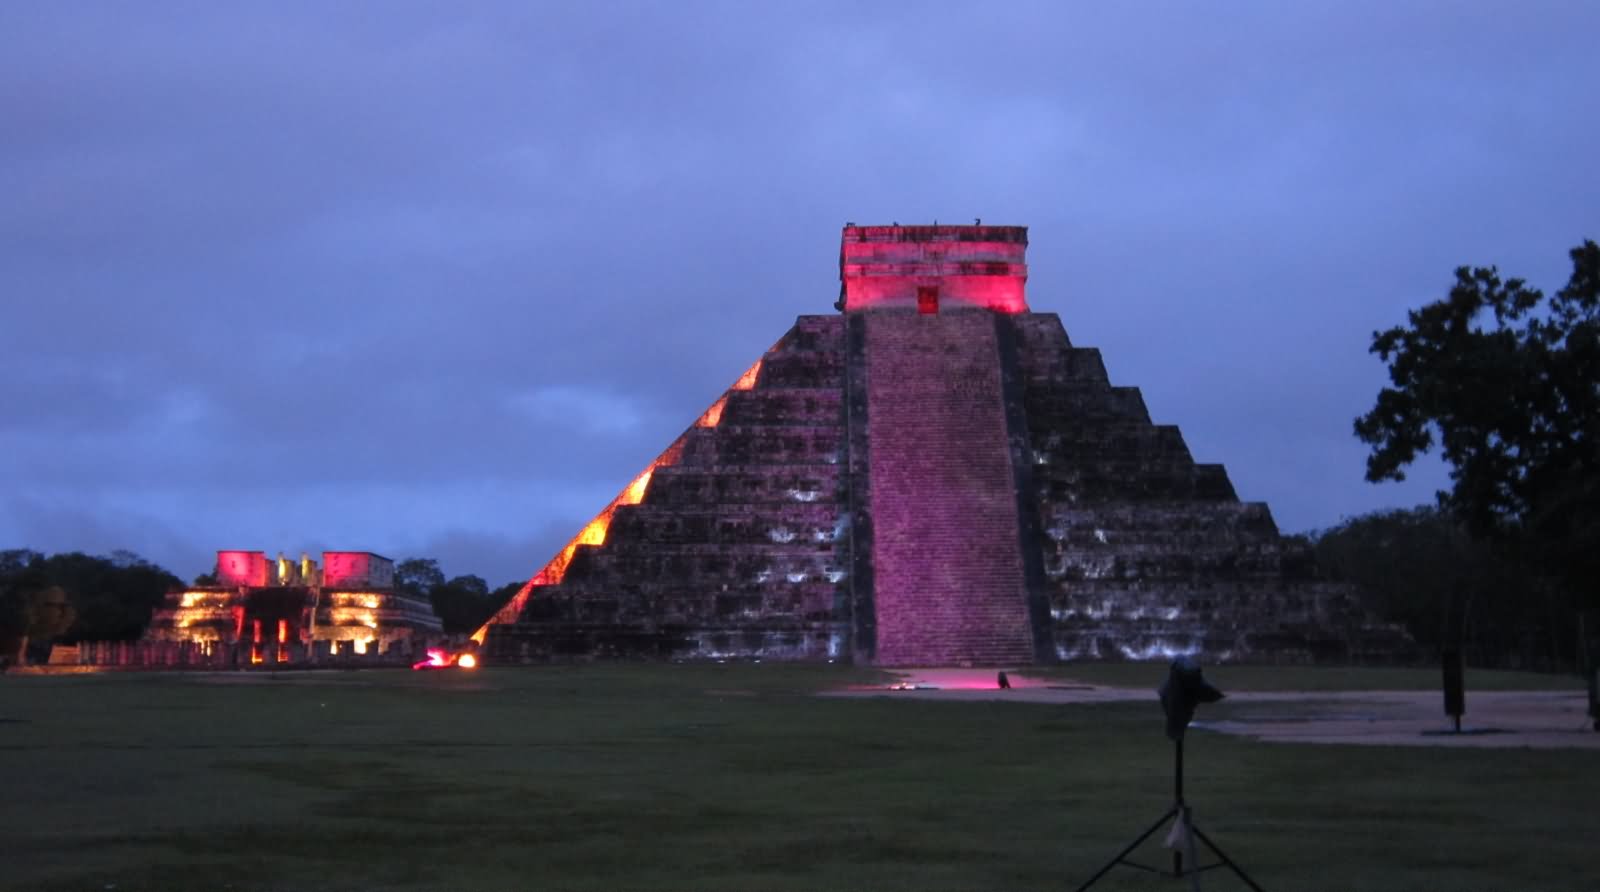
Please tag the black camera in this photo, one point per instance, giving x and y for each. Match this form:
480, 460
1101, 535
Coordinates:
1184, 690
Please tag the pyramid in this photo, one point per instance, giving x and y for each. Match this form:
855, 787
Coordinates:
934, 475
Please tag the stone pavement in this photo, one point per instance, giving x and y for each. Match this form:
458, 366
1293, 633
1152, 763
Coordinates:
1500, 719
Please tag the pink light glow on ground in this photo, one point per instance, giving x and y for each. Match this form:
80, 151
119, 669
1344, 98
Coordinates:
973, 679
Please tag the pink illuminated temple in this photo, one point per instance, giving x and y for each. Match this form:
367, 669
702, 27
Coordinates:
285, 611
934, 267
934, 476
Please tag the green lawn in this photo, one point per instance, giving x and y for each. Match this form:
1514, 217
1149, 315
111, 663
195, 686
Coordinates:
721, 778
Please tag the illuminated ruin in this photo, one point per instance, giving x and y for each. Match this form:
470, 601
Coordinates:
934, 475
286, 611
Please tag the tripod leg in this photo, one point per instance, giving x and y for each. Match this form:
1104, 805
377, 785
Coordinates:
1131, 846
1187, 817
1225, 859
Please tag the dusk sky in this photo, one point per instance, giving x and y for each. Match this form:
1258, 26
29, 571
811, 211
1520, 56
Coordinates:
438, 279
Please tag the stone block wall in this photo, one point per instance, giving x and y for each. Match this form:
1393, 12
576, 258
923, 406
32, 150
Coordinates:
1149, 554
221, 655
734, 548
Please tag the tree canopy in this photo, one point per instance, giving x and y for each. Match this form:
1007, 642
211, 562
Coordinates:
32, 610
418, 576
1420, 568
462, 603
77, 597
1506, 383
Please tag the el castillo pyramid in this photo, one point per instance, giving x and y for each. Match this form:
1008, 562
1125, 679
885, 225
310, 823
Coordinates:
934, 475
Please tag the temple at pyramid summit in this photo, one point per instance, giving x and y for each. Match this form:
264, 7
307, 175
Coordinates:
932, 475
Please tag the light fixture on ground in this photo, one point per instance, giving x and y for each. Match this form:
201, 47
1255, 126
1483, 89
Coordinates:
1181, 694
439, 658
1594, 697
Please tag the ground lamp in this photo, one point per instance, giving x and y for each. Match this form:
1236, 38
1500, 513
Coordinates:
1594, 697
1455, 696
1181, 694
439, 658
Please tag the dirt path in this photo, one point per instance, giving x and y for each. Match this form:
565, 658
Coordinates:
1536, 719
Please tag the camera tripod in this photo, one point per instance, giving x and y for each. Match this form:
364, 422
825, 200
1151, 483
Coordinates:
1189, 832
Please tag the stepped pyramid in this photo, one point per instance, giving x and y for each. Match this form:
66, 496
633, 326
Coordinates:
933, 476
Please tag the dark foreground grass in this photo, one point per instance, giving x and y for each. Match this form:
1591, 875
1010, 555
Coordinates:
722, 778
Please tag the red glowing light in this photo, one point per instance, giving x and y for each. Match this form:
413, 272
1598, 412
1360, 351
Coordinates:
356, 569
247, 568
439, 658
972, 266
713, 415
747, 381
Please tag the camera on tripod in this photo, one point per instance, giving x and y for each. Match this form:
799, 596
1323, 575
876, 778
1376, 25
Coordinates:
1181, 694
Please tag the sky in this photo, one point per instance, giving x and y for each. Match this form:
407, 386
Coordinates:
437, 279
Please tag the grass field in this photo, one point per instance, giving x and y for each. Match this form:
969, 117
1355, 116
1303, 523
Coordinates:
722, 778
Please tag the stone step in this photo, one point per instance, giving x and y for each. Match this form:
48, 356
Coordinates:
802, 369
783, 407
947, 563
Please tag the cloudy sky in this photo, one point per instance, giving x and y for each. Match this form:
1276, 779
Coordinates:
439, 278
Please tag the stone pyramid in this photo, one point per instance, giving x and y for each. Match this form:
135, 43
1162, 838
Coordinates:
933, 476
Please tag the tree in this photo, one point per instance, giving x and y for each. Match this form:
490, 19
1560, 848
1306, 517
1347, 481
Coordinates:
32, 610
418, 576
15, 560
1507, 384
115, 596
1418, 567
462, 604
505, 593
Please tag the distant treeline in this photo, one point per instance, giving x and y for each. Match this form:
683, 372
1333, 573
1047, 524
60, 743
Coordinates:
1421, 568
463, 603
76, 597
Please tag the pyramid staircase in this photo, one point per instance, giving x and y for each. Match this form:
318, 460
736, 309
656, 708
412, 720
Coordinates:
947, 551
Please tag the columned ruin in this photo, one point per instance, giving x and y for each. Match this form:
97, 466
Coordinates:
292, 611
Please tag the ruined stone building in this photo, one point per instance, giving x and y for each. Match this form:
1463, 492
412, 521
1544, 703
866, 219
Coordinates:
287, 610
933, 475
